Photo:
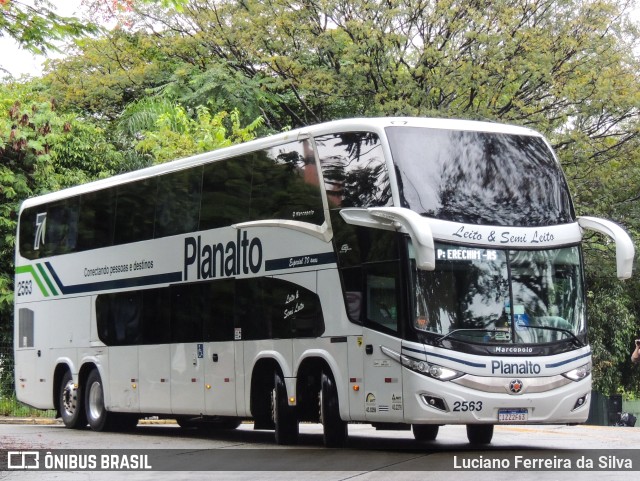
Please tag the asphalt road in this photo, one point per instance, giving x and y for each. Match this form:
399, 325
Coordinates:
522, 452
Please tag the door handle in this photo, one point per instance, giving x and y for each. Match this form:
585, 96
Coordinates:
214, 358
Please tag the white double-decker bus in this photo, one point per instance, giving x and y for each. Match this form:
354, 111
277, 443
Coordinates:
403, 272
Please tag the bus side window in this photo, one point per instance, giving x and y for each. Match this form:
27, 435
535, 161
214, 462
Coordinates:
156, 316
178, 202
353, 292
252, 311
226, 191
188, 310
97, 217
271, 308
354, 170
219, 311
135, 211
119, 318
61, 227
382, 296
286, 185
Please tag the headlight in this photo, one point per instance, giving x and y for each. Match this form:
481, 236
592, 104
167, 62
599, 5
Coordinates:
578, 373
423, 367
432, 370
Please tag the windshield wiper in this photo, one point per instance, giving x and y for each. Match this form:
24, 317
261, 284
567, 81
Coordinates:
573, 337
474, 329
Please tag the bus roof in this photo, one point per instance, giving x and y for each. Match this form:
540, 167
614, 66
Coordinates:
345, 125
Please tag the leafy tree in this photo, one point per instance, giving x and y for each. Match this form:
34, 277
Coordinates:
175, 134
37, 27
41, 149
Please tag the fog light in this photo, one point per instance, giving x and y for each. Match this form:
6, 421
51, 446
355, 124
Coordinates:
581, 401
435, 402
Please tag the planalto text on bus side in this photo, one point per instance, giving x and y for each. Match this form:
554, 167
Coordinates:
220, 260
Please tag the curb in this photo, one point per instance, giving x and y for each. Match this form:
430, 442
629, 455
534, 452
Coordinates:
52, 421
35, 421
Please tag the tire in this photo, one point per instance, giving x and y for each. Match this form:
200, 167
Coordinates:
71, 404
479, 433
97, 415
425, 432
187, 423
223, 424
334, 429
284, 416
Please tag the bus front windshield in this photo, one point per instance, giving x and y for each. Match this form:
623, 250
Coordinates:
500, 296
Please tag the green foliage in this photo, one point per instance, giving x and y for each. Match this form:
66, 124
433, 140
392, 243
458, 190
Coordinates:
612, 329
177, 135
37, 27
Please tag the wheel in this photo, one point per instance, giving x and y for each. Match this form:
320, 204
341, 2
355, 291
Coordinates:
70, 402
479, 433
284, 416
425, 432
333, 427
187, 423
97, 416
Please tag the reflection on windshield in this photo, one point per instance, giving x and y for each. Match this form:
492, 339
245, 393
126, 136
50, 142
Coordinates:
501, 296
479, 177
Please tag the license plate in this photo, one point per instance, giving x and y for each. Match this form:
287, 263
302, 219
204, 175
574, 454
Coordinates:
517, 415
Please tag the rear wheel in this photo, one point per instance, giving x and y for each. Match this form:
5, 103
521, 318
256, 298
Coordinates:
284, 416
70, 402
334, 428
479, 433
425, 432
97, 415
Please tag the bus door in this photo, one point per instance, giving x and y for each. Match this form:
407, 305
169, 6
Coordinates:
188, 310
382, 373
220, 356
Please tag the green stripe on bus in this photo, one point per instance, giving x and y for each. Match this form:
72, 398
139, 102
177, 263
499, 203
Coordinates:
36, 277
47, 280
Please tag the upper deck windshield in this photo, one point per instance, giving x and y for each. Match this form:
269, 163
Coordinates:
501, 296
479, 177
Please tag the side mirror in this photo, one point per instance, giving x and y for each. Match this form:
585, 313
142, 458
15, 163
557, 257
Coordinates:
395, 218
624, 245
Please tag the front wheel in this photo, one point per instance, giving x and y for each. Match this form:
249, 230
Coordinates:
334, 428
479, 433
425, 432
284, 416
70, 402
97, 415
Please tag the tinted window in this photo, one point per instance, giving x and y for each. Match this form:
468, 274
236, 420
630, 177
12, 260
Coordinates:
97, 217
29, 232
219, 318
478, 177
269, 308
354, 170
135, 211
382, 296
62, 227
285, 184
49, 229
178, 203
119, 318
226, 193
264, 308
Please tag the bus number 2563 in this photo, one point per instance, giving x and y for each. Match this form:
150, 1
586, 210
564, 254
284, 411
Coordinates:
467, 406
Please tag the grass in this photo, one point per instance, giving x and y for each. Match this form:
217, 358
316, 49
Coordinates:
10, 406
